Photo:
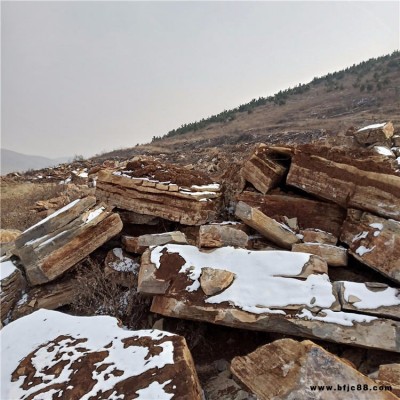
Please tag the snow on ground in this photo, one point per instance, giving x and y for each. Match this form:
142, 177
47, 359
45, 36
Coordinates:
124, 264
263, 279
335, 317
94, 214
384, 151
370, 299
51, 337
373, 126
6, 269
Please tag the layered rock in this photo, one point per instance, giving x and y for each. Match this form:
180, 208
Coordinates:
335, 256
261, 170
93, 357
287, 369
309, 213
389, 375
300, 299
188, 203
57, 243
138, 244
277, 232
374, 241
318, 236
219, 235
376, 133
348, 179
12, 285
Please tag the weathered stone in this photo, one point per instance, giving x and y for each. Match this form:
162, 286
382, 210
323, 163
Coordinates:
318, 236
309, 213
139, 244
389, 374
222, 235
214, 281
370, 298
376, 133
93, 357
50, 297
9, 235
190, 206
396, 140
350, 180
12, 285
49, 253
130, 217
121, 268
268, 227
261, 171
374, 241
52, 204
335, 256
287, 369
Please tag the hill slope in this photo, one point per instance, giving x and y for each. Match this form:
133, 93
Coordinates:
12, 161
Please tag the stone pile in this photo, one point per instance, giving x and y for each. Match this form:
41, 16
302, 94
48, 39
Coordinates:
306, 244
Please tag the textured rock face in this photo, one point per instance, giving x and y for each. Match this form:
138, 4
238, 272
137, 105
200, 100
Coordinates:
287, 369
363, 183
99, 360
377, 133
214, 281
54, 245
389, 374
139, 244
309, 213
221, 235
261, 171
318, 236
12, 284
333, 255
268, 227
374, 241
193, 205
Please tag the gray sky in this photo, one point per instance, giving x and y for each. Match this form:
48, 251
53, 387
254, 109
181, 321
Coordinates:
85, 77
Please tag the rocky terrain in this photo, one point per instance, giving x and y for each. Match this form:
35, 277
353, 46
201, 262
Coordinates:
254, 271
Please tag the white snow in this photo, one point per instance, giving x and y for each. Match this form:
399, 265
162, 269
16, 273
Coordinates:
213, 187
264, 279
37, 333
335, 317
373, 126
225, 223
6, 269
370, 299
197, 194
378, 226
155, 391
58, 212
383, 151
83, 175
94, 214
360, 236
363, 250
124, 264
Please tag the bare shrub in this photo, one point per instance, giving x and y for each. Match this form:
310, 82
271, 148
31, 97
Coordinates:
96, 294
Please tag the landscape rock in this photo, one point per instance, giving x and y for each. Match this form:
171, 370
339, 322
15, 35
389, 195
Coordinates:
261, 171
7, 239
190, 205
348, 179
99, 360
374, 241
371, 298
389, 374
268, 227
318, 236
139, 244
12, 285
376, 133
335, 256
215, 235
214, 281
57, 243
309, 213
287, 369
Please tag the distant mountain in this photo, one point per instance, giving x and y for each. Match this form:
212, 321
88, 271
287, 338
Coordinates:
11, 161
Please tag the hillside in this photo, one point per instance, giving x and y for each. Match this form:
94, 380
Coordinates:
359, 95
12, 161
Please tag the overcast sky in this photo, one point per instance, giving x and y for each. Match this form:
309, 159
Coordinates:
86, 77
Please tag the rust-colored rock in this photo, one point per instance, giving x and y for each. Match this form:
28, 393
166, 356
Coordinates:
374, 241
389, 374
221, 235
318, 236
287, 369
309, 213
335, 256
214, 281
